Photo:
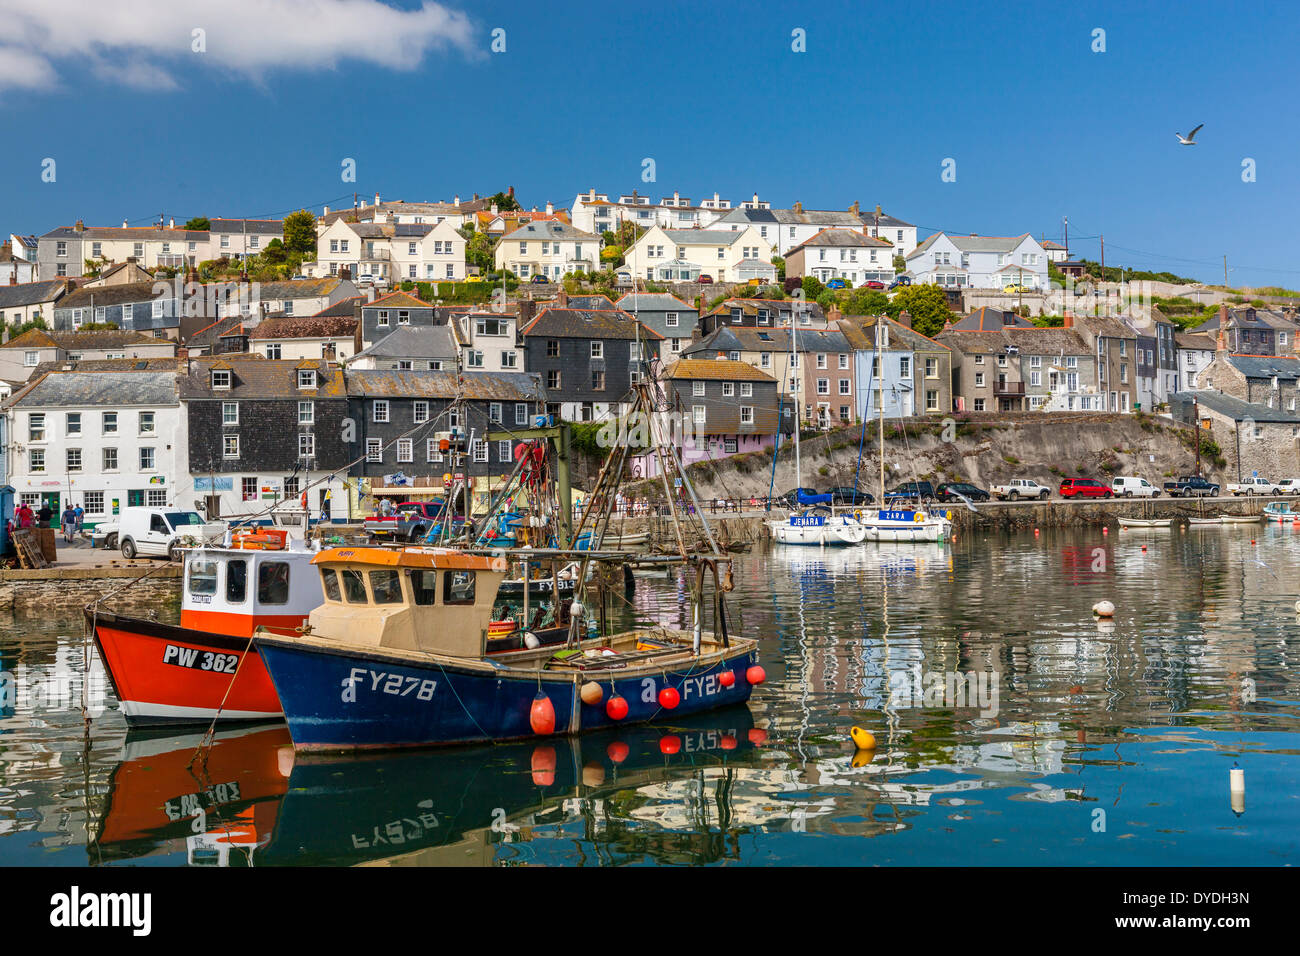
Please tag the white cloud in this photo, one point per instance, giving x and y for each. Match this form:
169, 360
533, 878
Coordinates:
147, 44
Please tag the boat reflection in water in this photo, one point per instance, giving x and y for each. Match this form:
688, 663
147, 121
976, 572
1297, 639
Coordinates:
670, 793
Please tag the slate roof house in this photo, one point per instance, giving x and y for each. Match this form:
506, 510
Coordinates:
666, 314
1247, 333
390, 312
30, 300
763, 313
1254, 437
402, 415
909, 374
261, 431
21, 355
718, 408
1018, 369
988, 319
587, 360
412, 348
841, 254
104, 440
323, 335
136, 306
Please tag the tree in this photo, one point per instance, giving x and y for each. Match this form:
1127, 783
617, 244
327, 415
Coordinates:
812, 288
926, 304
479, 252
300, 232
866, 302
504, 202
900, 265
199, 223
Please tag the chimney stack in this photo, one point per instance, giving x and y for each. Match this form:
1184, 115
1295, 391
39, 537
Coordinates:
878, 211
124, 226
171, 223
755, 200
81, 226
510, 191
455, 201
325, 211
562, 299
834, 315
798, 207
550, 209
854, 208
1068, 321
494, 209
376, 199
905, 318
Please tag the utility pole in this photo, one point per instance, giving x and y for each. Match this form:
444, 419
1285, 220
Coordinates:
1196, 427
1103, 267
1066, 221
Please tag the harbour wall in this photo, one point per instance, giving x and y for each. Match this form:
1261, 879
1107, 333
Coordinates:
65, 588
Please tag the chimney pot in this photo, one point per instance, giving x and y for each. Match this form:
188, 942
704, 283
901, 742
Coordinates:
326, 211
456, 201
376, 199
171, 223
81, 226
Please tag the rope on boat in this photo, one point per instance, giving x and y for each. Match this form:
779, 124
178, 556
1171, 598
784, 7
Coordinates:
205, 742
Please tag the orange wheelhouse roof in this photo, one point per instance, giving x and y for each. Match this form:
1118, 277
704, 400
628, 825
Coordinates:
447, 558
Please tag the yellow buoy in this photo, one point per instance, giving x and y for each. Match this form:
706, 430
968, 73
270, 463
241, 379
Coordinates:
863, 739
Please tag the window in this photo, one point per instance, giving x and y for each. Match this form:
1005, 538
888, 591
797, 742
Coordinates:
597, 349
147, 424
480, 450
821, 360
823, 386
306, 378
508, 360
405, 451
30, 359
380, 410
421, 412
728, 389
403, 317
147, 457
74, 423
110, 459
74, 459
431, 450
203, 577
36, 459
236, 581
553, 379
386, 586
979, 404
274, 351
383, 318
36, 426
697, 388
552, 348
248, 488
273, 582
494, 413
220, 378
503, 450
844, 360
670, 320
746, 389
746, 414
521, 413
699, 414
764, 359
306, 446
374, 449
932, 400
979, 379
93, 502
844, 386
597, 381
354, 586
458, 587
474, 358
229, 446
306, 413
230, 413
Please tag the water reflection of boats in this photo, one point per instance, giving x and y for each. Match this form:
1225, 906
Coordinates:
159, 802
351, 810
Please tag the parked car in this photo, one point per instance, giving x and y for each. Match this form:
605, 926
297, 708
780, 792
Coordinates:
790, 499
1131, 487
873, 284
1018, 488
851, 496
1289, 486
705, 279
922, 490
755, 281
957, 490
151, 532
1253, 486
836, 284
473, 279
366, 279
900, 281
1191, 486
623, 280
1084, 488
1014, 288
539, 279
410, 521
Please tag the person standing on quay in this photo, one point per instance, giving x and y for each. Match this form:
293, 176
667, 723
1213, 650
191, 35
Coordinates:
44, 515
69, 522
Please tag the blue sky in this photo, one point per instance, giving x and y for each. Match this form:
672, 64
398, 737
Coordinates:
1039, 125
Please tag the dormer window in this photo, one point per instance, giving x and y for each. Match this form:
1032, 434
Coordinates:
221, 378
306, 378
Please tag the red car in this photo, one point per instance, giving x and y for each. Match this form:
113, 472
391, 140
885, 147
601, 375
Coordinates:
703, 280
873, 284
1085, 488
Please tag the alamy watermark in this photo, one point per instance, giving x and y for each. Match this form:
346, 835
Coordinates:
945, 689
58, 688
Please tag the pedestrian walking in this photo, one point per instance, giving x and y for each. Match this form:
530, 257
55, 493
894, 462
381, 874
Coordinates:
80, 513
69, 523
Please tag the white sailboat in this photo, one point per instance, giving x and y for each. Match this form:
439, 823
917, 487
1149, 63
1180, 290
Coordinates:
811, 525
907, 523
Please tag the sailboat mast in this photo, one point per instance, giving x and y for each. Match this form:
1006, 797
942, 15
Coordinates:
880, 401
798, 473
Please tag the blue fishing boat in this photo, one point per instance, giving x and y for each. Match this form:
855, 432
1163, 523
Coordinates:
397, 657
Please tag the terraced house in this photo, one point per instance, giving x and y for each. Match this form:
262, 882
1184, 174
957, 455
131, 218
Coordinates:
908, 374
842, 254
549, 248
100, 439
787, 229
391, 250
149, 307
683, 255
402, 416
64, 251
20, 356
1023, 369
979, 262
587, 360
262, 431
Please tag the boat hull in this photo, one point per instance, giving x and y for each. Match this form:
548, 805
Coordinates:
340, 698
829, 531
164, 674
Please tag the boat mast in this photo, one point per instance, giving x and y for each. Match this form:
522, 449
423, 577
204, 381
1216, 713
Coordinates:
794, 360
880, 400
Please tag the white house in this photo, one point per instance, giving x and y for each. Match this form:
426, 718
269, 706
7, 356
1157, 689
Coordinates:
1195, 353
842, 254
428, 252
18, 260
979, 262
240, 238
596, 212
550, 248
685, 254
103, 440
783, 229
403, 212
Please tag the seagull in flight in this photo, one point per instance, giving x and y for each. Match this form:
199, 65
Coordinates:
1191, 137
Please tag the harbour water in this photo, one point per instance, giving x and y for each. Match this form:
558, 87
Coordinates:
1012, 728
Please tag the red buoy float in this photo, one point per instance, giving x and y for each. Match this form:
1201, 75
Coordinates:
541, 717
616, 707
669, 698
543, 766
617, 751
670, 745
728, 742
727, 678
755, 674
757, 736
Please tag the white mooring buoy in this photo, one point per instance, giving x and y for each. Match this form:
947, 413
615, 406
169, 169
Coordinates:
1237, 790
1103, 609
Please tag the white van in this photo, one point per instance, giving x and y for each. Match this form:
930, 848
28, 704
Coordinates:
152, 532
1134, 488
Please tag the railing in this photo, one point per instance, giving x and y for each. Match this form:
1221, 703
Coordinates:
1008, 388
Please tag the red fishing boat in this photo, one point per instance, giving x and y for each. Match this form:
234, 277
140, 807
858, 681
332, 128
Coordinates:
178, 674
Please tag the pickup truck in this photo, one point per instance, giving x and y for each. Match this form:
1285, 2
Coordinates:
1253, 486
1018, 488
1191, 486
410, 522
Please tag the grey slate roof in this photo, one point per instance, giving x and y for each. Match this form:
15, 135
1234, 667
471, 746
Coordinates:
106, 389
30, 293
475, 386
1266, 366
549, 229
707, 237
115, 295
842, 237
414, 341
652, 302
252, 227
1234, 408
790, 217
587, 324
743, 339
